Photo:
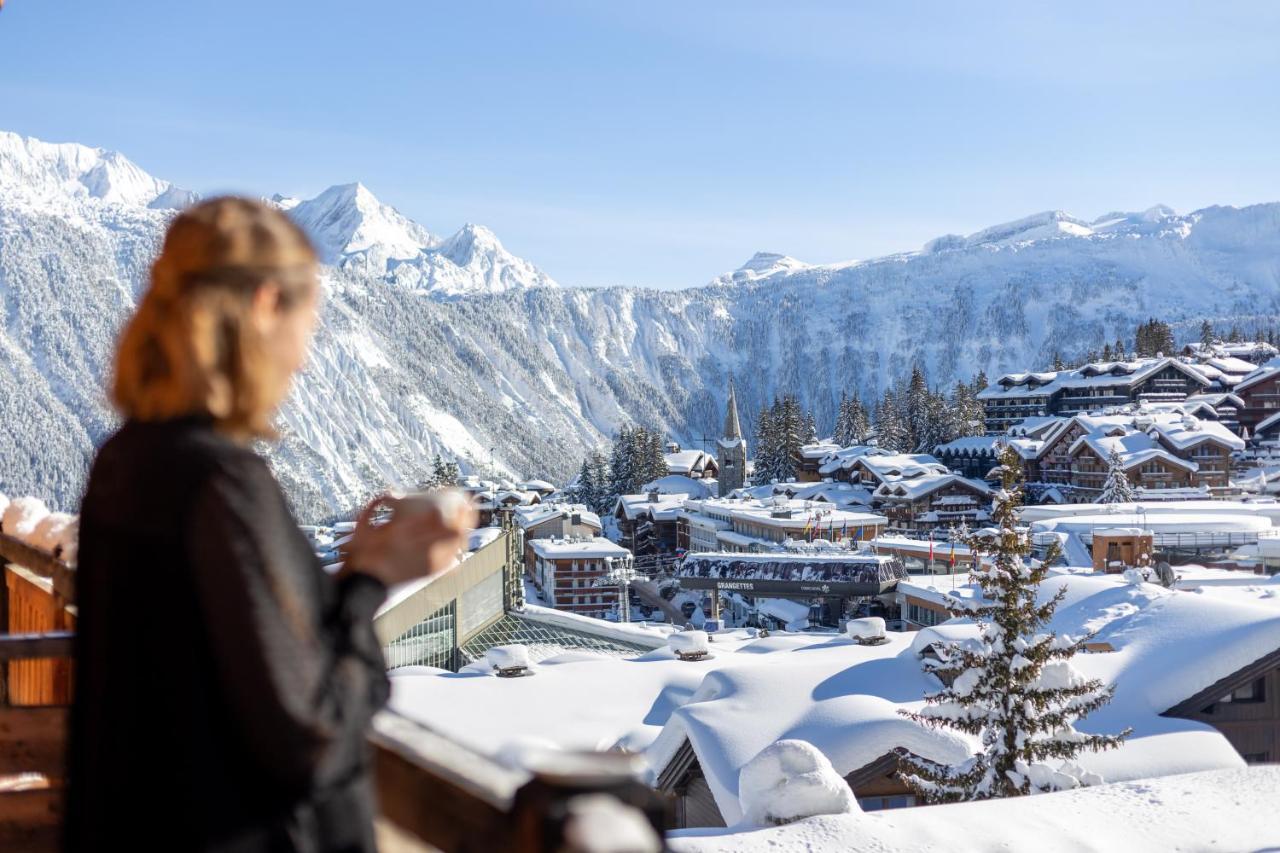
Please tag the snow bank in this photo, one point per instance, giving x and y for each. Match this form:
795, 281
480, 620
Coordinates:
50, 531
1215, 810
791, 780
870, 628
508, 657
689, 643
21, 517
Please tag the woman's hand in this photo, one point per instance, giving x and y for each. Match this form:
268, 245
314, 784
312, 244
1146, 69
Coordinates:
421, 538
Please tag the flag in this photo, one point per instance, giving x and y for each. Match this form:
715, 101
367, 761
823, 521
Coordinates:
931, 553
953, 555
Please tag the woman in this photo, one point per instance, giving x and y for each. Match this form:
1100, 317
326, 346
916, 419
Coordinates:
224, 681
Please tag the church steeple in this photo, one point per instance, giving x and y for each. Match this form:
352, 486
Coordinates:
732, 429
732, 447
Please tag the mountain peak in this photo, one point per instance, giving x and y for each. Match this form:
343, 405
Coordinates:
763, 264
348, 219
67, 169
470, 240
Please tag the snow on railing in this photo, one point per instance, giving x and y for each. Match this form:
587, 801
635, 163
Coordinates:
29, 521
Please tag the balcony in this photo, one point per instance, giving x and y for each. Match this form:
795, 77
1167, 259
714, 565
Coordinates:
433, 793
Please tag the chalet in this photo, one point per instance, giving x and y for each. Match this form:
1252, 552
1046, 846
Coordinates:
1096, 386
1254, 352
811, 460
1259, 395
838, 464
694, 464
874, 470
932, 501
572, 573
647, 523
1159, 450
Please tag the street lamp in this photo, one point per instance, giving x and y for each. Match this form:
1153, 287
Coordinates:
619, 575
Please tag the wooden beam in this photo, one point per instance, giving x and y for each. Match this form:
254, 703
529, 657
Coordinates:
51, 644
438, 790
30, 820
41, 563
33, 739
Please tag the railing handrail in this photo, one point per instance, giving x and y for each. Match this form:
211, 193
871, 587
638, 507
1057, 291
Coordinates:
42, 563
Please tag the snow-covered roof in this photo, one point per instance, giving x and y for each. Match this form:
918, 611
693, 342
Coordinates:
973, 444
844, 697
689, 461
819, 449
1104, 374
839, 493
900, 466
919, 487
678, 484
663, 509
531, 516
843, 458
1211, 810
577, 549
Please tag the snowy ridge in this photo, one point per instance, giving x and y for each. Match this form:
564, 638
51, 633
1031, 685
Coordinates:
457, 346
44, 169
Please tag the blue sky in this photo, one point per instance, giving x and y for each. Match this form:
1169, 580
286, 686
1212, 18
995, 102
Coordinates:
659, 144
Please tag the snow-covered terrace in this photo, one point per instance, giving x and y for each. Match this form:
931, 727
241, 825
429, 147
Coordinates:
1168, 646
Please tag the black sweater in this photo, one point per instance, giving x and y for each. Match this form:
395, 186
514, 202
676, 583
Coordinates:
223, 680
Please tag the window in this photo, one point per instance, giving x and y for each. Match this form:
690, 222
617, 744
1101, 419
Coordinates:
1254, 691
897, 801
1251, 692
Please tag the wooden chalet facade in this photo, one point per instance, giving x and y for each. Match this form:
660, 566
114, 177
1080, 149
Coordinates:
1094, 387
1156, 456
1259, 396
936, 502
1244, 706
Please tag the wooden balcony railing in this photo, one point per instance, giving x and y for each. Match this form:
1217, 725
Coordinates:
434, 793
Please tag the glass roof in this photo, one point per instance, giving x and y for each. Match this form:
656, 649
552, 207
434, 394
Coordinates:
543, 640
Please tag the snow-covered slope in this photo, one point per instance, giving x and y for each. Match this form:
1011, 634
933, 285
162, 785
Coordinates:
456, 346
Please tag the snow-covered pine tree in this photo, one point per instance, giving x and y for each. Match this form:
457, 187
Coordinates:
1013, 686
842, 433
859, 424
1116, 489
651, 457
598, 499
918, 411
792, 436
891, 430
767, 443
444, 473
622, 462
433, 479
1206, 334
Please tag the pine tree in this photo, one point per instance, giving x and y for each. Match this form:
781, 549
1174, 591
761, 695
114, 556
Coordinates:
918, 410
1116, 490
790, 424
1058, 363
859, 423
1013, 686
622, 462
767, 445
599, 499
891, 429
1206, 334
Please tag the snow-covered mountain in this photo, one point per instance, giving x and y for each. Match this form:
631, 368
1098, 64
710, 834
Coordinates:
453, 345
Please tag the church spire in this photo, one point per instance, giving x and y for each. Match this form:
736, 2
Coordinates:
732, 429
